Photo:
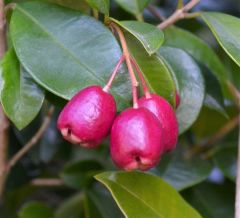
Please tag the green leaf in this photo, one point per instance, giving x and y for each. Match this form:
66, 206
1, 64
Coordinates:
196, 47
226, 29
190, 84
135, 7
71, 208
214, 97
79, 174
212, 200
182, 172
21, 97
35, 210
100, 5
65, 50
73, 4
99, 203
226, 160
150, 36
144, 195
155, 71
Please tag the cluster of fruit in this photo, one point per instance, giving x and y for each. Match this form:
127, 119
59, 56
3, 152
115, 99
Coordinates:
138, 136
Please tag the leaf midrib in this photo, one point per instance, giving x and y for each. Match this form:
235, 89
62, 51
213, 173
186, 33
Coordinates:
63, 47
54, 39
135, 196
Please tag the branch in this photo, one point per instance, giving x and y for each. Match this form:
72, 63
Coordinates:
235, 93
4, 123
127, 56
47, 182
179, 14
237, 202
32, 141
228, 127
154, 11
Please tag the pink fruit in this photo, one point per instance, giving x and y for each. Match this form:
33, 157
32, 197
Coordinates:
177, 96
165, 114
88, 117
136, 140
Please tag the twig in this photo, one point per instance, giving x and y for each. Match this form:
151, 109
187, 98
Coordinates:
32, 141
155, 12
128, 62
235, 93
179, 14
47, 182
229, 126
4, 123
237, 202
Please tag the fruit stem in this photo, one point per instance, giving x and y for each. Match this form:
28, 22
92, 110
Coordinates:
108, 85
128, 62
143, 81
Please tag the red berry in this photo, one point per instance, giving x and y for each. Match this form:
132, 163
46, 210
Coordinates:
165, 113
136, 140
177, 99
88, 117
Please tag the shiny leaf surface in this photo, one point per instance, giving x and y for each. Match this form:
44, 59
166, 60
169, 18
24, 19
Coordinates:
226, 29
134, 6
196, 47
190, 84
65, 50
150, 37
21, 97
157, 199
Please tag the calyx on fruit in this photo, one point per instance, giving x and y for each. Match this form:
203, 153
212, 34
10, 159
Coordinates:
166, 115
88, 117
136, 140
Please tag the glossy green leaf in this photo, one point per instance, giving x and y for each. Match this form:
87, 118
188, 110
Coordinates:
155, 71
71, 208
73, 4
100, 5
212, 200
182, 172
179, 38
144, 195
150, 36
226, 29
226, 160
65, 50
79, 174
35, 210
190, 84
135, 7
21, 97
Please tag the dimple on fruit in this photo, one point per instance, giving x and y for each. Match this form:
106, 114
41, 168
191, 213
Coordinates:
88, 116
136, 140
